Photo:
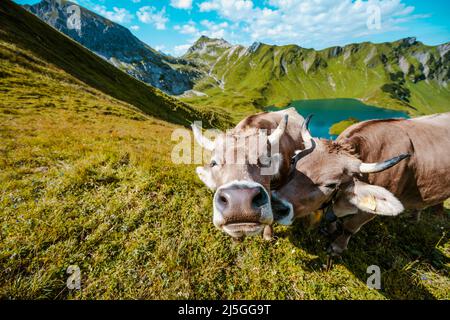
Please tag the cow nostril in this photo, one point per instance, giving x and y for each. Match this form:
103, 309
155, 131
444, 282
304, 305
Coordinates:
223, 200
260, 199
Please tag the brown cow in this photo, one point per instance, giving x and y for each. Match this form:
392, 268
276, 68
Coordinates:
242, 202
345, 175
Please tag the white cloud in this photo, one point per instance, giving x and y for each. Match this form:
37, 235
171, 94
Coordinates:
208, 6
188, 28
135, 28
230, 9
181, 4
119, 15
160, 47
207, 28
316, 23
215, 30
181, 49
151, 15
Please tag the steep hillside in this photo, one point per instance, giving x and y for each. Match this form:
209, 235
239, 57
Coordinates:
29, 33
405, 74
117, 45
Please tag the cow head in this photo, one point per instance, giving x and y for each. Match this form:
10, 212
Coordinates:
328, 171
242, 166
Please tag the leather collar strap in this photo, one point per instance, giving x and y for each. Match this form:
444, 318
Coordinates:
327, 207
329, 214
331, 200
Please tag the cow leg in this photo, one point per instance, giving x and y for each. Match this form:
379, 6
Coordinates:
415, 215
330, 224
268, 233
332, 228
349, 228
438, 210
329, 229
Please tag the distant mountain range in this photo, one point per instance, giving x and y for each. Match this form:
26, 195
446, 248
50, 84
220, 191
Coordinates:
119, 46
214, 74
404, 74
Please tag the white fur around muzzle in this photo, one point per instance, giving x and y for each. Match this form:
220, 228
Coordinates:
266, 210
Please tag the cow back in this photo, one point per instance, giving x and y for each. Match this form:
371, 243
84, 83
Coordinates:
423, 179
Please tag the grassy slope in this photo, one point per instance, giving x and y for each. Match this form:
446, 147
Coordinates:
275, 75
30, 33
86, 179
339, 127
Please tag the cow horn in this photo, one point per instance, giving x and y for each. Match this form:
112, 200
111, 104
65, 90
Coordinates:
275, 136
308, 141
306, 135
301, 153
201, 139
380, 166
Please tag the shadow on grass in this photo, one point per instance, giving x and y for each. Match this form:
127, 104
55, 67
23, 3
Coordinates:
397, 245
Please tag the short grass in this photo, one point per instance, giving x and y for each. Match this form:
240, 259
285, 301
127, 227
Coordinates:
339, 127
99, 191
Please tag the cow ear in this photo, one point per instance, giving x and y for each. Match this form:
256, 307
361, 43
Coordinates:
206, 176
374, 199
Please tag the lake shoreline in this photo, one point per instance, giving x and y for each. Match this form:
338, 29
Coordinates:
328, 112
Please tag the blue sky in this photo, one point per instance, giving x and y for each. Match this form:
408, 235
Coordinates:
173, 25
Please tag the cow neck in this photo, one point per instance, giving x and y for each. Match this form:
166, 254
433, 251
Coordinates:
327, 207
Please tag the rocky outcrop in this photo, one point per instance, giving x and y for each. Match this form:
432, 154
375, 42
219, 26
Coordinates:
117, 45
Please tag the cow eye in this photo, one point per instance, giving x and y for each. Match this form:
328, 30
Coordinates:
331, 185
213, 163
264, 161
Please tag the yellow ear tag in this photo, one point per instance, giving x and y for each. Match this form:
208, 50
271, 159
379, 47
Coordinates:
369, 202
316, 216
314, 219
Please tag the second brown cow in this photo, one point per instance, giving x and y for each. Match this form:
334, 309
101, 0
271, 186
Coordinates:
352, 176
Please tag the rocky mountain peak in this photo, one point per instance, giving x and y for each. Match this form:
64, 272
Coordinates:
255, 45
114, 43
206, 45
407, 42
444, 49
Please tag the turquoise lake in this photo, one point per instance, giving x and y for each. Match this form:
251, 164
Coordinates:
329, 111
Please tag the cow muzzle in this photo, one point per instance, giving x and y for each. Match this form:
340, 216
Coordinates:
242, 208
282, 210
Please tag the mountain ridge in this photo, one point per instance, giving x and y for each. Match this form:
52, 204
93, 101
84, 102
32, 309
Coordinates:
403, 74
239, 80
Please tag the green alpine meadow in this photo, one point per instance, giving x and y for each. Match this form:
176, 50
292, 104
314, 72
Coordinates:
87, 178
387, 75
